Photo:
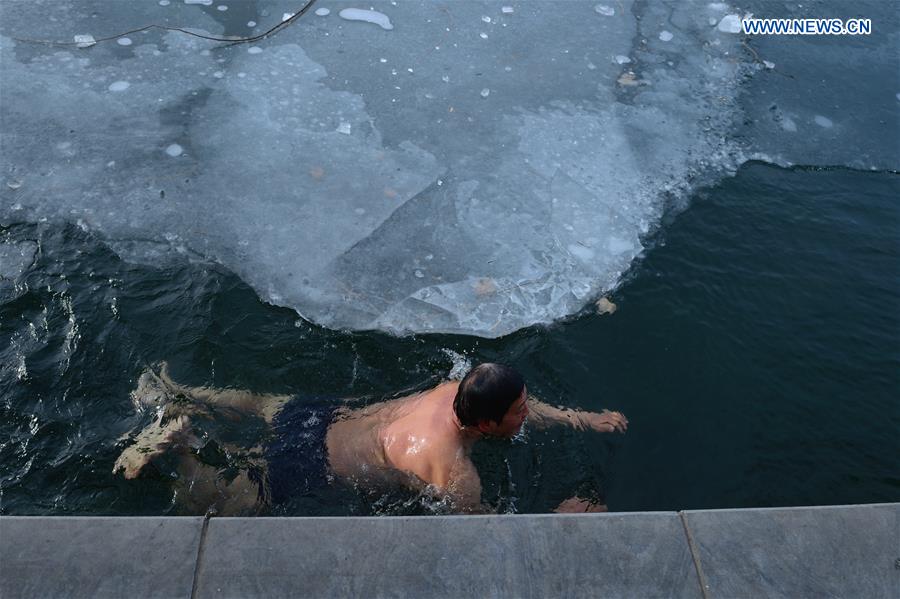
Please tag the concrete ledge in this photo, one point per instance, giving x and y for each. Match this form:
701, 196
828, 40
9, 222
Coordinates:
639, 555
98, 557
845, 551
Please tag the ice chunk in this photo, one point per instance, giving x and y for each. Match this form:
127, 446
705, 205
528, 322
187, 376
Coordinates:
222, 7
254, 50
730, 24
507, 10
119, 86
485, 93
201, 2
604, 10
85, 41
666, 36
604, 306
323, 12
768, 64
344, 128
124, 41
174, 150
287, 16
823, 121
369, 16
619, 59
15, 258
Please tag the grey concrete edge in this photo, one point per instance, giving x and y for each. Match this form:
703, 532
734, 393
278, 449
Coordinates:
48, 527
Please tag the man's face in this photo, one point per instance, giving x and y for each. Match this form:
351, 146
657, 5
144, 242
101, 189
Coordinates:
512, 420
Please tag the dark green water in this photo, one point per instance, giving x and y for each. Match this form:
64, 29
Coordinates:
755, 350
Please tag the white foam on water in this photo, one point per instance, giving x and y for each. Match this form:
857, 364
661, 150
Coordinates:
367, 16
460, 367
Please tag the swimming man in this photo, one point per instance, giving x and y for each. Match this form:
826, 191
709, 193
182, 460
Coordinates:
421, 440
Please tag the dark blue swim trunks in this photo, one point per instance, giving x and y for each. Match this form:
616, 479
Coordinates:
296, 455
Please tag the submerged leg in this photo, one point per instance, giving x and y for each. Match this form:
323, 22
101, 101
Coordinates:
263, 405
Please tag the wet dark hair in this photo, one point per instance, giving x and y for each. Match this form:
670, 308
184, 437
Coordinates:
486, 393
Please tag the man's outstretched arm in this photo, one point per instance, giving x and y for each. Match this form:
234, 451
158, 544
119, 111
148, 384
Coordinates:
543, 415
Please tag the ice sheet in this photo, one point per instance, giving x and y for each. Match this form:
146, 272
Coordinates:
360, 175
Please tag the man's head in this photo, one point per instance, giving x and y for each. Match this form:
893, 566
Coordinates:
491, 398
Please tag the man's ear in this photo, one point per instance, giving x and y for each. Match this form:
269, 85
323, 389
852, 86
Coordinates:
485, 427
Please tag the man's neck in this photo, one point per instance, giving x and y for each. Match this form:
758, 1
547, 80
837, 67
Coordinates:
466, 434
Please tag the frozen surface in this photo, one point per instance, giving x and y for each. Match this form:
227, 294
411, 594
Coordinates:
476, 168
826, 100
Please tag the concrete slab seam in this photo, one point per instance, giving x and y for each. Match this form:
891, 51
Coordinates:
695, 555
200, 547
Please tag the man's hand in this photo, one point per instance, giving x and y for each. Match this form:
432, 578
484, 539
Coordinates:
577, 505
606, 421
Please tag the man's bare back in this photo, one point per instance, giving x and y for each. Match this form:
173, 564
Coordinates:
418, 440
417, 435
